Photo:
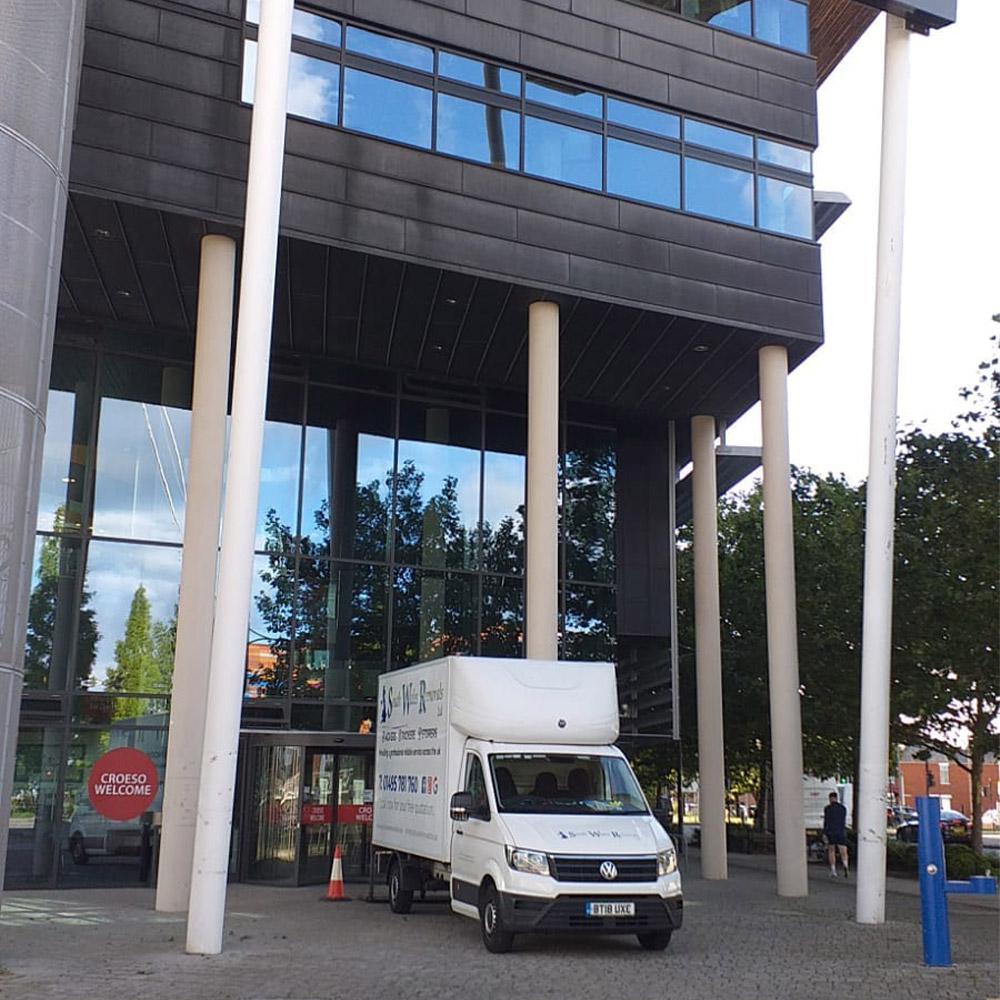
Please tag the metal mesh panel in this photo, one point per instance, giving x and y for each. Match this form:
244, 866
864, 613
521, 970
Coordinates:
41, 44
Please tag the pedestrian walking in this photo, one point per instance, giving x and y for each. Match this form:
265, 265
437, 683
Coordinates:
835, 834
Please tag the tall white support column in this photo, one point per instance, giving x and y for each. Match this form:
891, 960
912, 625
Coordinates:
782, 632
876, 626
541, 607
196, 604
253, 349
708, 652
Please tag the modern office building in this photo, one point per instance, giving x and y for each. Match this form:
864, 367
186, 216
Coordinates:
644, 168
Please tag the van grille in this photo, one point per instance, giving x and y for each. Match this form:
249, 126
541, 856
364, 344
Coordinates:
586, 868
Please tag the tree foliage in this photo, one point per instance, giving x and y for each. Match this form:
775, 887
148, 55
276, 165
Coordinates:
946, 683
144, 656
945, 693
50, 615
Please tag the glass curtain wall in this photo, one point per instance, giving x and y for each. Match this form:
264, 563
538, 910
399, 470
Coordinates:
390, 530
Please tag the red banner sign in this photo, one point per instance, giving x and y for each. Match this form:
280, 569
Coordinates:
122, 783
355, 814
313, 813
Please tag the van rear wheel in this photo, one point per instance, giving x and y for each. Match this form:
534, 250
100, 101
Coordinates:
495, 936
400, 899
654, 940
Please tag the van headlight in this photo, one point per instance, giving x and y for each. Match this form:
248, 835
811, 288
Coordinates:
528, 861
666, 862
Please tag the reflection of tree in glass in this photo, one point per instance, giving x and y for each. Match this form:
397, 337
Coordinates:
57, 556
144, 657
430, 537
588, 530
588, 515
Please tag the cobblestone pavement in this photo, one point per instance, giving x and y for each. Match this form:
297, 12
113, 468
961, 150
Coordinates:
739, 939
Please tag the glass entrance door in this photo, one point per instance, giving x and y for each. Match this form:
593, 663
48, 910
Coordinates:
354, 813
274, 814
302, 802
317, 816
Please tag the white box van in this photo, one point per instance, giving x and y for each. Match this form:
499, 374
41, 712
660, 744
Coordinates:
497, 780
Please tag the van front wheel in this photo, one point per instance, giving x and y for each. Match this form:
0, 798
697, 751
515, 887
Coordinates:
654, 940
400, 899
496, 938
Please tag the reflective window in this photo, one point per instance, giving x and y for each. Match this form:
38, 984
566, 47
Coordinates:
502, 632
724, 139
640, 117
304, 24
394, 50
346, 489
478, 132
644, 173
93, 848
33, 805
720, 192
272, 602
562, 95
589, 623
479, 74
387, 108
437, 486
503, 493
733, 15
313, 88
434, 614
142, 451
134, 601
249, 71
784, 23
66, 451
588, 517
56, 635
340, 628
316, 28
784, 208
781, 155
277, 504
562, 153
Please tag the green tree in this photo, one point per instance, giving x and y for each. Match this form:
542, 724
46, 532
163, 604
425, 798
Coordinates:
143, 656
946, 683
827, 519
49, 611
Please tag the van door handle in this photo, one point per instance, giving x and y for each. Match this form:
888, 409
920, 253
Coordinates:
459, 832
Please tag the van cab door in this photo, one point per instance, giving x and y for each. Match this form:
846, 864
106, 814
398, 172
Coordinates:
475, 841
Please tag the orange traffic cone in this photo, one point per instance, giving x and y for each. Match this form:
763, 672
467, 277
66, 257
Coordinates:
335, 890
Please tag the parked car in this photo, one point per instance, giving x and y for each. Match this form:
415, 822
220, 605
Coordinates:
955, 828
896, 815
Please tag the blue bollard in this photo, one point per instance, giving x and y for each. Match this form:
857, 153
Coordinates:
934, 883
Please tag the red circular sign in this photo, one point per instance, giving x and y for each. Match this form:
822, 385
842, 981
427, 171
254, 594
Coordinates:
122, 783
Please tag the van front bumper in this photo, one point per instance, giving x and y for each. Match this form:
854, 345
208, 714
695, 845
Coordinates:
534, 914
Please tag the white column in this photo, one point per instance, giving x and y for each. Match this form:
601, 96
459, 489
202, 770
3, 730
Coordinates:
541, 608
196, 603
876, 626
253, 348
708, 652
782, 633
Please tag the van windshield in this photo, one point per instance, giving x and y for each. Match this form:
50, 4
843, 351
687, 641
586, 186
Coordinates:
567, 784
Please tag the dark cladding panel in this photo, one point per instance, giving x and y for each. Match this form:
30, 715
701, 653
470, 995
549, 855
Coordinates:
643, 554
160, 124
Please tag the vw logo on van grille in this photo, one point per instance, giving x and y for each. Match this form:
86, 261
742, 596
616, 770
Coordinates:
609, 870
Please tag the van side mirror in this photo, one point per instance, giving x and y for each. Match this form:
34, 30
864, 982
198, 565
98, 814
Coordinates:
462, 804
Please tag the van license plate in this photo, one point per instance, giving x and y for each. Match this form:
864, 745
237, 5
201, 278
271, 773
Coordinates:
611, 909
